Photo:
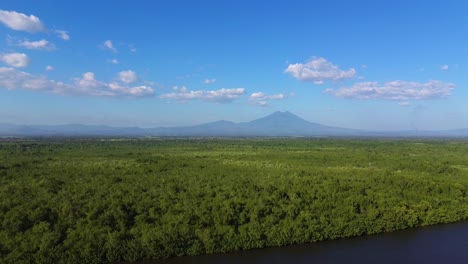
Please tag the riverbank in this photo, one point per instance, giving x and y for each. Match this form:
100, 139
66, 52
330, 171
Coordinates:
443, 243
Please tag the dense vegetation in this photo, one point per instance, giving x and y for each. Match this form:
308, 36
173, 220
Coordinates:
94, 201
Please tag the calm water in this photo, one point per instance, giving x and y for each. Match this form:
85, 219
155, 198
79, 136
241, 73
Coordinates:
435, 244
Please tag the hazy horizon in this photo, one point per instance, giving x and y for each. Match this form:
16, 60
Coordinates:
237, 123
373, 66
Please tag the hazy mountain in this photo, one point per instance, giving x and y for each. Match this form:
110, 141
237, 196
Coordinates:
288, 124
276, 124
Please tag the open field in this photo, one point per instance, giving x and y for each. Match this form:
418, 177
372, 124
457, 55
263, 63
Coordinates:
94, 201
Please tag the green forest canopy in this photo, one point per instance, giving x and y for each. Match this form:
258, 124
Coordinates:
94, 200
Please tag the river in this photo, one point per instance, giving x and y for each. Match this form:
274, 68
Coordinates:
433, 244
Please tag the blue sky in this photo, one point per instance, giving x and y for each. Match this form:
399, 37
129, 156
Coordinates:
356, 64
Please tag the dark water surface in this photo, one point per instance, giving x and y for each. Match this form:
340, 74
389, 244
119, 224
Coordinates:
434, 244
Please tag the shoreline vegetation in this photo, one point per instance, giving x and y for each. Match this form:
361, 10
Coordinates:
112, 200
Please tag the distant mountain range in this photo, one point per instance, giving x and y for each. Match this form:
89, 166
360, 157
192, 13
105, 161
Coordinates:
278, 124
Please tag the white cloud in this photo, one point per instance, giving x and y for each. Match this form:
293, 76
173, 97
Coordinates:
406, 103
114, 61
262, 96
90, 86
20, 21
17, 60
39, 45
88, 81
260, 103
444, 67
261, 99
180, 89
128, 76
395, 90
11, 78
257, 95
221, 96
49, 68
209, 81
109, 45
63, 34
132, 48
141, 90
318, 70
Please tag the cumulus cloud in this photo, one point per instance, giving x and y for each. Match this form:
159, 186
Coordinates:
114, 61
261, 99
395, 90
63, 34
109, 45
87, 84
318, 70
20, 21
128, 76
209, 81
49, 68
223, 95
262, 96
444, 67
11, 78
38, 45
17, 60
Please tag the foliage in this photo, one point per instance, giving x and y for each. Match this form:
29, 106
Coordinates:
95, 200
